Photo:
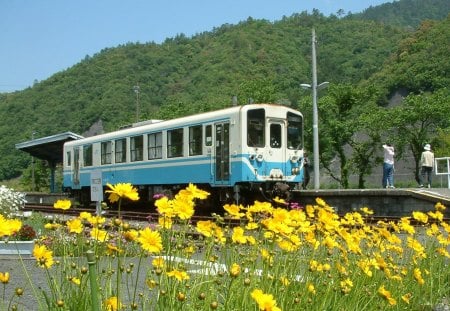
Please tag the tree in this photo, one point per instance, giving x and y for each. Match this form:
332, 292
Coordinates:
350, 131
419, 120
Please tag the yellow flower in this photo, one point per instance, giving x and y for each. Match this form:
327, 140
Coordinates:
99, 235
62, 204
406, 297
193, 192
183, 207
158, 262
165, 222
179, 275
74, 225
4, 277
113, 304
419, 216
234, 210
112, 249
418, 276
366, 211
150, 240
75, 280
235, 270
44, 257
310, 287
130, 235
387, 295
9, 226
265, 301
122, 190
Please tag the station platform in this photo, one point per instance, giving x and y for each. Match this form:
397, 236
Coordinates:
396, 202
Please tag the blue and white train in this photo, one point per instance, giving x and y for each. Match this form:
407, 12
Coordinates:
235, 153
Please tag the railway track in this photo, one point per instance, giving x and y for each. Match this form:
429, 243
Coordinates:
145, 217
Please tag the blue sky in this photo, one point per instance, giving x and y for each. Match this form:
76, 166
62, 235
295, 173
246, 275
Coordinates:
39, 38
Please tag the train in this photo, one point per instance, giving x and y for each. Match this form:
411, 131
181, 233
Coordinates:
238, 154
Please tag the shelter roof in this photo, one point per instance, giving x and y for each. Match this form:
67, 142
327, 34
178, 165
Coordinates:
48, 148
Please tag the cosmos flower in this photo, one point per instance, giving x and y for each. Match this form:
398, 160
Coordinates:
4, 277
387, 295
74, 225
62, 204
150, 240
44, 256
179, 275
9, 226
265, 302
113, 304
122, 190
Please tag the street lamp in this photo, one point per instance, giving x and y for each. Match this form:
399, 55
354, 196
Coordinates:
33, 182
137, 89
314, 87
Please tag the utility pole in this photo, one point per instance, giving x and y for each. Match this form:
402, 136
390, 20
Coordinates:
137, 89
33, 182
314, 87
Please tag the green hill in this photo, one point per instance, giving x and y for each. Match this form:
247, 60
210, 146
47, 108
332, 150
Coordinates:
255, 60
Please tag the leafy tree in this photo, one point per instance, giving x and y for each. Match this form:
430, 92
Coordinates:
420, 120
350, 132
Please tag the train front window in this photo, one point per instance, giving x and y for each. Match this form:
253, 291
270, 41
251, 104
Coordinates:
87, 155
121, 150
255, 128
69, 158
106, 152
294, 131
275, 135
136, 148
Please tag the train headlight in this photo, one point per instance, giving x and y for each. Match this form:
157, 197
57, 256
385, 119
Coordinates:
252, 157
295, 171
294, 158
259, 158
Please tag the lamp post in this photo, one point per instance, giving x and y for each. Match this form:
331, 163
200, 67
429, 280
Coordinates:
137, 89
33, 182
314, 87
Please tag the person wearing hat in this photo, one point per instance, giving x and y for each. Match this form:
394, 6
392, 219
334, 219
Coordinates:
426, 164
388, 166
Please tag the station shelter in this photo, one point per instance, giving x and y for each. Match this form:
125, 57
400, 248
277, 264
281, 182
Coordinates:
50, 149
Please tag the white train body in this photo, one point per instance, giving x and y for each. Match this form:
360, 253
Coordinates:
233, 148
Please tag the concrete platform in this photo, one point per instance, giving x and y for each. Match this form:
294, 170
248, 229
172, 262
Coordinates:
384, 202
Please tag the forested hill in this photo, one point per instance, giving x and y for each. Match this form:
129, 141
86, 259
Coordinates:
409, 13
255, 59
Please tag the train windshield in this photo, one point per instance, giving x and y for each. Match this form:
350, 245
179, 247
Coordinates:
294, 131
255, 128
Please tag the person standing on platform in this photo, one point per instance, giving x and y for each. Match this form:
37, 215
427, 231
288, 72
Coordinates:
426, 164
388, 166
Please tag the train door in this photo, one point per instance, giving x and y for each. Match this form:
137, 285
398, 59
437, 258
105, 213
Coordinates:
277, 143
76, 167
222, 153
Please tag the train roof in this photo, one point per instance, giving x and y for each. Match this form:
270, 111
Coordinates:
154, 125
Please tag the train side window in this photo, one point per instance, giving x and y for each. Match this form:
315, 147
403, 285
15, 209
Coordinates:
106, 152
294, 131
255, 128
136, 148
275, 136
195, 140
87, 155
154, 146
175, 143
69, 158
208, 135
120, 150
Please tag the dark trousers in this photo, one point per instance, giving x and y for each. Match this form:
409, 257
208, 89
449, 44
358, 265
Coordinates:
425, 175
